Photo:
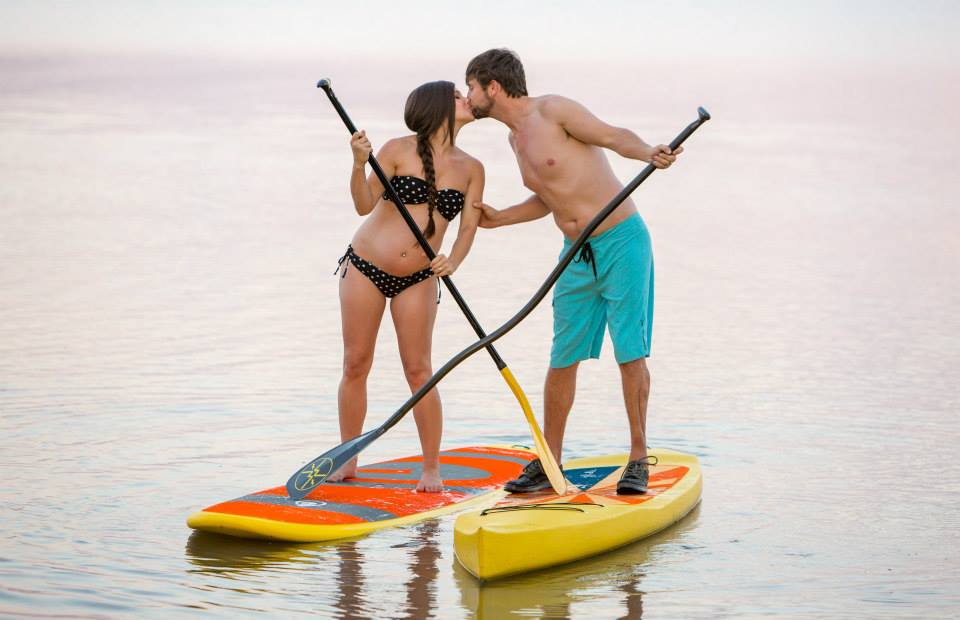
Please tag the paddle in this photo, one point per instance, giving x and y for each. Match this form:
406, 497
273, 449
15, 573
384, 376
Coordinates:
550, 466
317, 470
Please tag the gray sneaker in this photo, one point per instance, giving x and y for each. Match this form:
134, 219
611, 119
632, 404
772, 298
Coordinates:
531, 479
636, 476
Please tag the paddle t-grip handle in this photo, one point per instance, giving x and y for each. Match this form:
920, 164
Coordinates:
327, 87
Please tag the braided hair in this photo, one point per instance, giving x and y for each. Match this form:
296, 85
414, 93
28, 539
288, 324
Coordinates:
430, 107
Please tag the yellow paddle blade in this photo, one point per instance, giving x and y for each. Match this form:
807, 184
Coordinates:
550, 467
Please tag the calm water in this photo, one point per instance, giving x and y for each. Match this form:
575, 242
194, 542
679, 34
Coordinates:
169, 338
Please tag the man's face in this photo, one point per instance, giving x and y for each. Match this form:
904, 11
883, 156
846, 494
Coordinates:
480, 103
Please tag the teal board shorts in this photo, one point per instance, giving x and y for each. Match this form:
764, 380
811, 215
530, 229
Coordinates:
610, 282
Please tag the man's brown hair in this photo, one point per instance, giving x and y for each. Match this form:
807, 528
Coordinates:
502, 65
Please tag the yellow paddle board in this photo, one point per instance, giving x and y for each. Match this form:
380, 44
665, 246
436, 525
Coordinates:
533, 531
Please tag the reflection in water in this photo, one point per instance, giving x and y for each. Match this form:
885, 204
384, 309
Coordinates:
362, 574
367, 570
350, 581
556, 593
423, 571
226, 555
338, 590
633, 599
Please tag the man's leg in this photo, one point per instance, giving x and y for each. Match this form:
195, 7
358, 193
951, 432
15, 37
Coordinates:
558, 393
628, 290
636, 392
578, 325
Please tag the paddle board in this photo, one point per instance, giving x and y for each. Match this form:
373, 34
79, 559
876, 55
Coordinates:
382, 495
528, 532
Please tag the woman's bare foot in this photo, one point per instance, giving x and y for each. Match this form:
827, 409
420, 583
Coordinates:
430, 482
347, 471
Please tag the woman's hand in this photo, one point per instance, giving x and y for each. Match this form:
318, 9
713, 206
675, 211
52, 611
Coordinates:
442, 266
361, 148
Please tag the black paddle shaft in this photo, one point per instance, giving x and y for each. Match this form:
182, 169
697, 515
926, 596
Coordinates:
317, 470
375, 165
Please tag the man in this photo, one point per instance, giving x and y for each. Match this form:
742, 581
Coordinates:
558, 144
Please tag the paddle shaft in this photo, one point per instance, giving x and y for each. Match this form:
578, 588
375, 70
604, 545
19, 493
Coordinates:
405, 213
455, 361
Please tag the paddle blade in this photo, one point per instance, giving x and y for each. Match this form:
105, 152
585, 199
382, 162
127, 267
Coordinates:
314, 473
550, 467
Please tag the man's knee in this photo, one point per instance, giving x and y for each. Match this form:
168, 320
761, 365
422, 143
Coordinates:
563, 373
636, 371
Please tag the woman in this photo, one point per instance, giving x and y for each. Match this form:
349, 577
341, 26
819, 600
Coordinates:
435, 179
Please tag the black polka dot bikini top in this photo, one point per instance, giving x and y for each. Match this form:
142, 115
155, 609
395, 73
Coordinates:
413, 191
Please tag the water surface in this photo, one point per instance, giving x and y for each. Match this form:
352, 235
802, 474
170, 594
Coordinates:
169, 338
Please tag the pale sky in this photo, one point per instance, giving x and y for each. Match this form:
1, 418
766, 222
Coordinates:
749, 31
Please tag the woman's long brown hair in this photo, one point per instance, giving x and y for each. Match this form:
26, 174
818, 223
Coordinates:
430, 107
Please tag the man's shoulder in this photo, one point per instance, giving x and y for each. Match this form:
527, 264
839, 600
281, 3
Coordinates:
554, 106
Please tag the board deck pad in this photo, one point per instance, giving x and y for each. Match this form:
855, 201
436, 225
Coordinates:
599, 485
382, 495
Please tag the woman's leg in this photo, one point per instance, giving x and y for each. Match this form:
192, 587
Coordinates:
361, 310
414, 311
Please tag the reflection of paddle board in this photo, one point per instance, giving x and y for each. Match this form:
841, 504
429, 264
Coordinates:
532, 531
615, 575
381, 496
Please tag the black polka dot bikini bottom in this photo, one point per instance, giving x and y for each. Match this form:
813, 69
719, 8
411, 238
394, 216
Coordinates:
387, 283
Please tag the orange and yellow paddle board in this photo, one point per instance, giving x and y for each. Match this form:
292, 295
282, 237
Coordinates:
382, 495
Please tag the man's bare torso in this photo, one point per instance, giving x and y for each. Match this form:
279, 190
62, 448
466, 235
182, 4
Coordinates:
572, 178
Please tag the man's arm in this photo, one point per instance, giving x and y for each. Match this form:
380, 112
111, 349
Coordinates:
580, 123
530, 209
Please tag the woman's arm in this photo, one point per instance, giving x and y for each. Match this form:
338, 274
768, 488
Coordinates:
365, 190
469, 219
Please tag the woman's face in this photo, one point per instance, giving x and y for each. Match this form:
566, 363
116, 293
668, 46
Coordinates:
463, 114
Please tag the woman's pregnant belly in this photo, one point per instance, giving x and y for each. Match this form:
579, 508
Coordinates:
385, 240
